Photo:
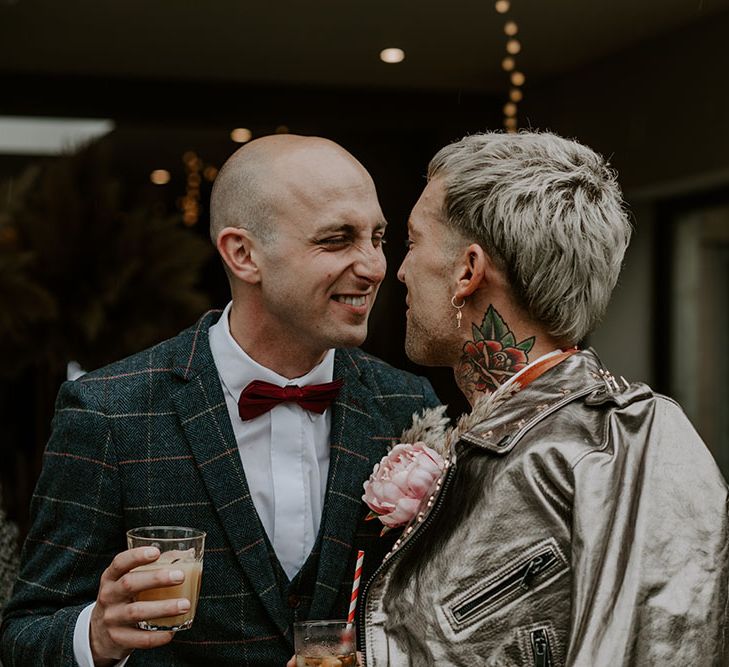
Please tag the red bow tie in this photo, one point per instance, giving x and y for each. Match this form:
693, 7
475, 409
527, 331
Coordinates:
259, 397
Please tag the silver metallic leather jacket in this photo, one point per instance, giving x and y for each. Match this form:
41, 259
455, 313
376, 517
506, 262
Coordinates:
582, 523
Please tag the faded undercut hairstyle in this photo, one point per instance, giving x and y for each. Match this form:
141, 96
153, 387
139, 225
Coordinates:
549, 212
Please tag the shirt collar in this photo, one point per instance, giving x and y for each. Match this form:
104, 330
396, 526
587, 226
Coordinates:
237, 369
531, 363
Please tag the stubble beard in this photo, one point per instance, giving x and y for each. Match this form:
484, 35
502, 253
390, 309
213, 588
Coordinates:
329, 332
347, 335
428, 345
349, 340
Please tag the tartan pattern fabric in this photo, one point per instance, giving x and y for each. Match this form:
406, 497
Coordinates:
148, 441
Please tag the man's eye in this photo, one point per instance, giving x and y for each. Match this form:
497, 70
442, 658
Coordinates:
408, 244
334, 240
377, 241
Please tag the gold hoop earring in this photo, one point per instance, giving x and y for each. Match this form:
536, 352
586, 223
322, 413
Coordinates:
459, 314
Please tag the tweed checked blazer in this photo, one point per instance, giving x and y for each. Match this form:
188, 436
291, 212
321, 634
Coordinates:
148, 441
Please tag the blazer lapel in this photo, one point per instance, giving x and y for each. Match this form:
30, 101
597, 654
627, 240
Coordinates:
356, 417
204, 417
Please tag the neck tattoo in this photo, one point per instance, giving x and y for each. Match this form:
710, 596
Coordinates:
492, 357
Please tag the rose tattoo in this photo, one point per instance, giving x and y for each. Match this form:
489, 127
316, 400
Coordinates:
493, 356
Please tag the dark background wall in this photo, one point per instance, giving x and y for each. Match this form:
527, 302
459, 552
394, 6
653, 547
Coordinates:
660, 110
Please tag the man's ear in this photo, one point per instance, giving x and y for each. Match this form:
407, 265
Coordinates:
235, 246
473, 269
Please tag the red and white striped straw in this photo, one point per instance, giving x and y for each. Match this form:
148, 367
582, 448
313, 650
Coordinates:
355, 587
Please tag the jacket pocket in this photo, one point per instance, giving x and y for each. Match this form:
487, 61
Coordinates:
539, 565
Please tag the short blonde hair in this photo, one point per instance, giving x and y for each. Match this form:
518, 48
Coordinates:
549, 212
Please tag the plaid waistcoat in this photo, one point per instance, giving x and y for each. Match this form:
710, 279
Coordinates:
148, 441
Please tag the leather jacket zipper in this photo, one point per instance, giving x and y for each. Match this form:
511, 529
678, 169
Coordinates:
540, 648
419, 531
520, 578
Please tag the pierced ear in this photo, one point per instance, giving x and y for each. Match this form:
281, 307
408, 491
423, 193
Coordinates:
472, 271
235, 246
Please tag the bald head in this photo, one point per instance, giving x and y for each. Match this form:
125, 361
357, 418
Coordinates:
269, 175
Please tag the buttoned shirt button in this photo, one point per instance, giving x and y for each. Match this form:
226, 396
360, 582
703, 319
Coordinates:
294, 601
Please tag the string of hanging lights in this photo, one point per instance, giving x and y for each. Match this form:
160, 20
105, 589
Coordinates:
509, 65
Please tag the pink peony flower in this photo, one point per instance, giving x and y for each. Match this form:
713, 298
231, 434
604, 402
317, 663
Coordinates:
399, 482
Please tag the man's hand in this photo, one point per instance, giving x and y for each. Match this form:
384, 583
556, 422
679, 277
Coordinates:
113, 632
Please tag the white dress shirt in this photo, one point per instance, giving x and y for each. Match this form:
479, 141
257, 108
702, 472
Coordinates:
285, 452
285, 456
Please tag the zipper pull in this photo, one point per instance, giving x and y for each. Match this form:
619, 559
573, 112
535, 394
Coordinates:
524, 583
533, 568
540, 648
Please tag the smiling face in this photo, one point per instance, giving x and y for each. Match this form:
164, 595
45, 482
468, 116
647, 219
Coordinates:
428, 272
321, 272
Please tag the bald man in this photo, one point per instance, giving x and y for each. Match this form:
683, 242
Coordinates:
257, 425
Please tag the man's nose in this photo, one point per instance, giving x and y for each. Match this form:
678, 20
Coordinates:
371, 264
401, 271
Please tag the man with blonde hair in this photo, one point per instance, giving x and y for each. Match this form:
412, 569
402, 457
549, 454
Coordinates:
579, 519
